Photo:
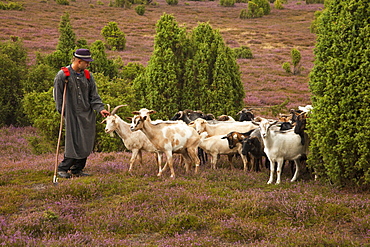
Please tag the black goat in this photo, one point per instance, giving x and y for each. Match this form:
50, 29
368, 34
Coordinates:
246, 115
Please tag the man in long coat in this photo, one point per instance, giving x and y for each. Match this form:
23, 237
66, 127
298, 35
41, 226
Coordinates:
82, 100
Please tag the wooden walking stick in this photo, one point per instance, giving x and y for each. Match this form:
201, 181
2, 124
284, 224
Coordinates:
55, 179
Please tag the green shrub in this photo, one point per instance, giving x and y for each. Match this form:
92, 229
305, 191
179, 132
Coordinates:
254, 10
121, 3
264, 4
113, 92
286, 67
227, 3
40, 110
140, 9
278, 4
114, 37
62, 2
243, 14
243, 52
132, 70
11, 6
338, 125
296, 59
39, 79
13, 64
172, 2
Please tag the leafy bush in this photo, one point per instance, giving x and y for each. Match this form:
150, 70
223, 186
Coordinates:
11, 6
114, 37
140, 9
264, 4
243, 52
254, 11
39, 79
13, 58
113, 92
40, 109
62, 2
172, 2
313, 26
243, 14
286, 67
132, 70
296, 59
122, 3
227, 3
338, 126
102, 64
278, 4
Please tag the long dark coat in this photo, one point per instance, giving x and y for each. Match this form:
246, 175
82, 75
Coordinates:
80, 119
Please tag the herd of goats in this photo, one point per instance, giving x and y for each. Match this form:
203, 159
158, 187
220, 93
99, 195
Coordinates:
194, 134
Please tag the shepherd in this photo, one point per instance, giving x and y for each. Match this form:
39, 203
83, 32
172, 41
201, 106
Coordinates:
79, 104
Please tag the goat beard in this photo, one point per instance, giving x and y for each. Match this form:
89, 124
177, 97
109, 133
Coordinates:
111, 134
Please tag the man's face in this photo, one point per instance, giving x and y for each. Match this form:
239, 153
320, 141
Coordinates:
83, 64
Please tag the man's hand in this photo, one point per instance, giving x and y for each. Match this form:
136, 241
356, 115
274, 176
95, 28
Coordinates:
104, 113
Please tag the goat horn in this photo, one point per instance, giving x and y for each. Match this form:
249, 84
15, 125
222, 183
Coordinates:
116, 108
108, 106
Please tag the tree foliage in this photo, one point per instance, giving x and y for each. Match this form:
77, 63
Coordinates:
195, 71
114, 37
13, 66
339, 126
66, 45
101, 62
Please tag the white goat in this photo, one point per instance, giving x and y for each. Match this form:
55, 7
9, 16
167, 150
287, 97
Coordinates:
134, 141
219, 145
280, 146
222, 128
169, 137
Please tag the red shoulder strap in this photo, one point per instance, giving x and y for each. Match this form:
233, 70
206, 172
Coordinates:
66, 71
87, 74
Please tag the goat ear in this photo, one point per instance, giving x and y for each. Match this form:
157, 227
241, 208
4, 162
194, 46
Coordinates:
136, 112
152, 112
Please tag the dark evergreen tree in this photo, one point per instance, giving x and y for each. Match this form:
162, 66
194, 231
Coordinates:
339, 125
13, 57
198, 72
159, 87
213, 82
101, 62
66, 46
67, 38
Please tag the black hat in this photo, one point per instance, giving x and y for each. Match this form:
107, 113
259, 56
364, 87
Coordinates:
83, 54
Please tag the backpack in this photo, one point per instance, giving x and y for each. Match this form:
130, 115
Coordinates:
67, 73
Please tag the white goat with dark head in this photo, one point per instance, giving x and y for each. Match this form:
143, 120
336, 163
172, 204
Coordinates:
280, 146
134, 141
169, 137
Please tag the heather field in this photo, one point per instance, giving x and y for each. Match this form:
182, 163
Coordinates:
270, 38
223, 207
